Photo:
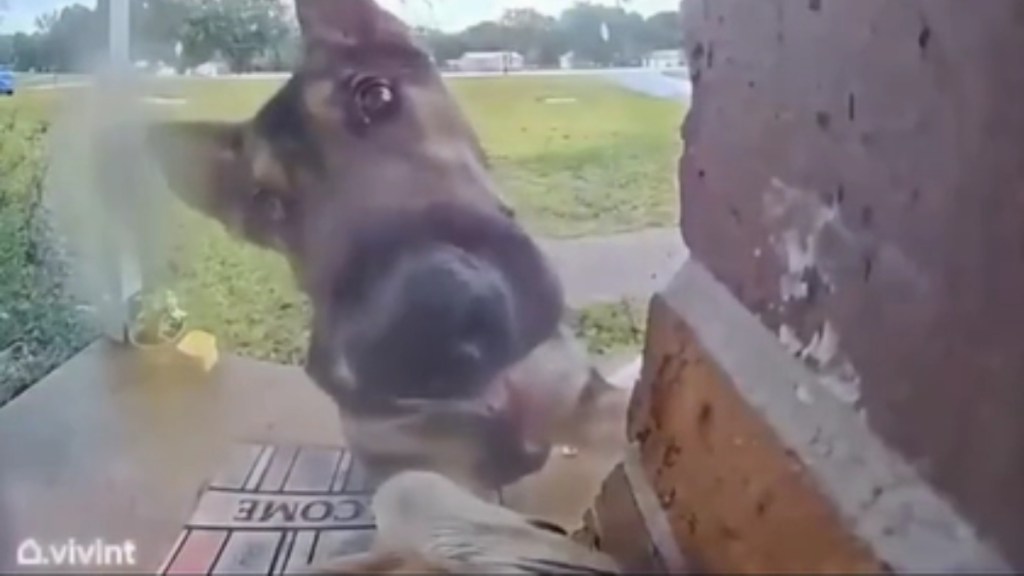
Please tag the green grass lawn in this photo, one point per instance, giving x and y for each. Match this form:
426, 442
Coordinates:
602, 161
576, 156
39, 324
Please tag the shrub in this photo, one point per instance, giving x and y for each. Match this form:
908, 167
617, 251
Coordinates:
40, 325
610, 328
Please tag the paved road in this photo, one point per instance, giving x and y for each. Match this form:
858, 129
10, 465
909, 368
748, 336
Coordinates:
617, 72
653, 83
648, 81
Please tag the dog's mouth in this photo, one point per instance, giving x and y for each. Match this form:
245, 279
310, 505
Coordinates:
536, 392
501, 397
548, 526
432, 304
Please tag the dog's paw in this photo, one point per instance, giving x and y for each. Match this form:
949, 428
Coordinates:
378, 562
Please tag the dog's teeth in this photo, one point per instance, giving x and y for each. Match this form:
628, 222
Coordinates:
497, 396
343, 374
568, 451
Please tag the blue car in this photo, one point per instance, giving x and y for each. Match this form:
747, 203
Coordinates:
6, 82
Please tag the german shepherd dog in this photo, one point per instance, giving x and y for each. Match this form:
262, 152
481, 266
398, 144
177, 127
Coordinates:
428, 525
437, 322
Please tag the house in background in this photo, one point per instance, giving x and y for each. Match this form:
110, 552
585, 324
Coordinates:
489, 62
664, 59
215, 67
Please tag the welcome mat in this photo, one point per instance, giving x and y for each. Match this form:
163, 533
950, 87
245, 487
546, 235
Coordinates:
276, 510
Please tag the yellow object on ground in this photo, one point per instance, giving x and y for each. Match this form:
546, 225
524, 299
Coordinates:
201, 346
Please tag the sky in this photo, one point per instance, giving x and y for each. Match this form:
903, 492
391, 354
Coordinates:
448, 15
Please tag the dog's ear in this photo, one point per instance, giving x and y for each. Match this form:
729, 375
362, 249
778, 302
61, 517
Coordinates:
212, 169
348, 23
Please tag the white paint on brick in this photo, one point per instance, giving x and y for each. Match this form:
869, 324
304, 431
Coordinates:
801, 218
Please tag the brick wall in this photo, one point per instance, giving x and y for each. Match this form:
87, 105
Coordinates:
835, 381
854, 176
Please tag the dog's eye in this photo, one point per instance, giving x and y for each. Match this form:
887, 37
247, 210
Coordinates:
374, 98
269, 204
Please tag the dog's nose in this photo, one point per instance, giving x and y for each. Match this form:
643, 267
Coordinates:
443, 327
461, 310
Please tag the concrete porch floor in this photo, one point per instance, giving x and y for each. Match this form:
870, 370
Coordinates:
113, 446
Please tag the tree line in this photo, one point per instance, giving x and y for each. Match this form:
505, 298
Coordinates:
250, 35
595, 35
246, 34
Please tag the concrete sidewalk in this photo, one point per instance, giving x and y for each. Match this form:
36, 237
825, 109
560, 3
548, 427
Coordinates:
603, 269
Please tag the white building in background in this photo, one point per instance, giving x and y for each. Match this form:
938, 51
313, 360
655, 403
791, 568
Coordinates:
567, 61
211, 68
664, 59
489, 62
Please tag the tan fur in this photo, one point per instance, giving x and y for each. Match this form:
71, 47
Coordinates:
381, 562
582, 409
426, 523
317, 97
300, 178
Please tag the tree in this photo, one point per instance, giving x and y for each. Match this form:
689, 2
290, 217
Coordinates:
443, 47
198, 37
45, 21
241, 31
605, 35
485, 37
631, 43
584, 24
156, 28
69, 38
532, 34
251, 34
26, 53
581, 29
6, 50
663, 31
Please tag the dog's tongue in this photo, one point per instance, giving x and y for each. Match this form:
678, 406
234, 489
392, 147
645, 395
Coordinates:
544, 388
498, 397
